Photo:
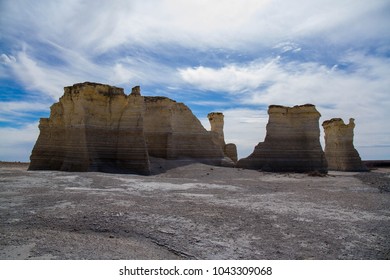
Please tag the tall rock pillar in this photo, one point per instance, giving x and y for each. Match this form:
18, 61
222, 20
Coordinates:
292, 142
339, 150
216, 120
216, 123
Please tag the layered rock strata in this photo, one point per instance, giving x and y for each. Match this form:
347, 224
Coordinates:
291, 143
230, 151
216, 120
172, 132
93, 127
339, 149
96, 127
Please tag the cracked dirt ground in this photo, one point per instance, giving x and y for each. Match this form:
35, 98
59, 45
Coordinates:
193, 212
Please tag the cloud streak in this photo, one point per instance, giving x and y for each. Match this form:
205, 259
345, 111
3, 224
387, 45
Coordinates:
361, 91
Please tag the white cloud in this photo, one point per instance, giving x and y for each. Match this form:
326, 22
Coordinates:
50, 80
7, 59
38, 76
361, 93
19, 108
79, 31
17, 143
94, 27
232, 78
288, 46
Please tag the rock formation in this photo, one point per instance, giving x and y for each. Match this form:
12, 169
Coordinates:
339, 150
231, 152
93, 127
216, 120
216, 124
291, 143
172, 132
96, 127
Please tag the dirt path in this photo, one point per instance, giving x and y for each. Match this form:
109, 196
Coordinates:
193, 212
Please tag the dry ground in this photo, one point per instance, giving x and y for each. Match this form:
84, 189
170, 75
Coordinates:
193, 212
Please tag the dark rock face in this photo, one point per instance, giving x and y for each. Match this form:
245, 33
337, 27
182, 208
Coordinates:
231, 151
291, 143
339, 149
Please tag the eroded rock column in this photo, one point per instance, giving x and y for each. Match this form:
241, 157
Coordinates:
216, 120
339, 149
291, 144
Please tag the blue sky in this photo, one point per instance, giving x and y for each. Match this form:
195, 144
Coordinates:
234, 56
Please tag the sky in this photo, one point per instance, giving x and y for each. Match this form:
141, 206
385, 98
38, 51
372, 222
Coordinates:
231, 56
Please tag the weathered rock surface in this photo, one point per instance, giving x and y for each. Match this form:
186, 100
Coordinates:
339, 150
172, 132
97, 127
93, 127
216, 124
216, 120
231, 151
291, 143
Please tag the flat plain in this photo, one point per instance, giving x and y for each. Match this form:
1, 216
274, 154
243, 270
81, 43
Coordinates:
194, 211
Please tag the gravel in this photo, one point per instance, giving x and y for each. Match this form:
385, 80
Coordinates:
193, 212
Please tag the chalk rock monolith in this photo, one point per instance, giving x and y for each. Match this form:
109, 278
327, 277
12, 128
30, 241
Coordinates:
339, 149
216, 120
96, 127
93, 127
291, 143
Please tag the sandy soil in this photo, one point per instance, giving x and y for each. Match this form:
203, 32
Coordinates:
193, 212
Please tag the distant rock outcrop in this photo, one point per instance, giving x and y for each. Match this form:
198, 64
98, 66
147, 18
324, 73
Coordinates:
231, 152
339, 150
96, 127
291, 143
216, 120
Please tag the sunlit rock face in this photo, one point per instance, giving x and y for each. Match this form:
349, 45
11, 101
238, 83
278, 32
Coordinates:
216, 120
339, 149
291, 143
96, 127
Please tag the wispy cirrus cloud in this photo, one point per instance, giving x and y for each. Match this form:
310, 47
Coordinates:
284, 81
13, 110
94, 27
